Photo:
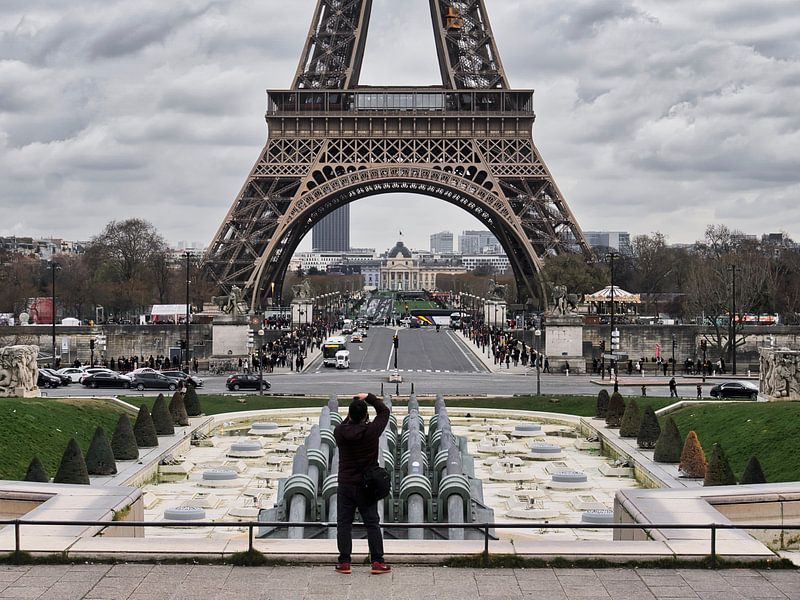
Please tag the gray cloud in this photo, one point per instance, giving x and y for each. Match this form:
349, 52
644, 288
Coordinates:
652, 115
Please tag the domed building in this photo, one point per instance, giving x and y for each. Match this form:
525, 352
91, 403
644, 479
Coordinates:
400, 271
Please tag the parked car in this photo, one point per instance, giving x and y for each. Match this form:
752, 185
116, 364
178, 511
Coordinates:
92, 370
73, 373
108, 379
192, 380
47, 381
64, 379
157, 381
735, 389
242, 381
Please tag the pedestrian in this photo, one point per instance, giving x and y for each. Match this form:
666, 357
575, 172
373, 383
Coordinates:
644, 391
357, 439
546, 365
699, 391
673, 388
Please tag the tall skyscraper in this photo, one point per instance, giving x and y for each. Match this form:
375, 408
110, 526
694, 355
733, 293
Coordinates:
332, 234
442, 242
617, 240
478, 242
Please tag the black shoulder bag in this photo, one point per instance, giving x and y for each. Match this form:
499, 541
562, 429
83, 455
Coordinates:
377, 483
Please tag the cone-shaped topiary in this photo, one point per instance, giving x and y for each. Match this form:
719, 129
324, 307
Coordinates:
123, 441
669, 444
631, 421
100, 456
72, 468
144, 430
753, 472
616, 408
649, 430
719, 470
192, 402
161, 417
693, 460
602, 404
36, 471
178, 410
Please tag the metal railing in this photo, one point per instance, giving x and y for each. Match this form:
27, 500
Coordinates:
484, 528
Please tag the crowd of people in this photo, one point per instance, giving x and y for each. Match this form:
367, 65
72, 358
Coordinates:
289, 351
505, 348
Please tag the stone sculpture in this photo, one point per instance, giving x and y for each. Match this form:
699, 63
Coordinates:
497, 291
780, 374
230, 304
302, 291
564, 303
19, 371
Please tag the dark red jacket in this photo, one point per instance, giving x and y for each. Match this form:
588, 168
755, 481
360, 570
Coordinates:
358, 443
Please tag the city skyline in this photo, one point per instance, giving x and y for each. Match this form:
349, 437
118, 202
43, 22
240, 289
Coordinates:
667, 117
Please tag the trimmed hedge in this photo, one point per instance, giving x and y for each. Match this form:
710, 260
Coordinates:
161, 417
144, 429
631, 421
123, 440
669, 445
602, 404
192, 402
616, 408
719, 470
753, 473
73, 467
36, 471
177, 410
100, 456
649, 429
693, 460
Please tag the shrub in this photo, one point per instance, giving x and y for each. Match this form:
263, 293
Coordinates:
631, 421
123, 440
72, 468
192, 402
719, 470
602, 404
616, 408
693, 460
161, 417
144, 430
649, 430
177, 410
100, 456
36, 471
669, 444
753, 472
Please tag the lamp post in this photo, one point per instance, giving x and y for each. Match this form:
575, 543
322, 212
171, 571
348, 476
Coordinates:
611, 256
673, 355
538, 335
732, 321
188, 255
53, 268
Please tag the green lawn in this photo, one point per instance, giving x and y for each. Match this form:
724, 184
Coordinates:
43, 426
769, 430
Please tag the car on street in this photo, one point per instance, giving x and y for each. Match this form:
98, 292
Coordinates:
106, 379
356, 338
47, 381
192, 380
414, 323
73, 373
64, 379
157, 381
735, 389
243, 381
92, 370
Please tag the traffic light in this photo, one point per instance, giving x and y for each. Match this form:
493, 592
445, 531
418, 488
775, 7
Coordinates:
703, 345
182, 344
602, 346
395, 341
91, 344
250, 338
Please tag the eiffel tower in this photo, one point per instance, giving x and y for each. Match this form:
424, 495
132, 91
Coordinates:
331, 142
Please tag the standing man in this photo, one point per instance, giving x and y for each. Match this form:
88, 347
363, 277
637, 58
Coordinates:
673, 388
357, 440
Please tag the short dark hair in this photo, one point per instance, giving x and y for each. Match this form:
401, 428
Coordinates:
357, 411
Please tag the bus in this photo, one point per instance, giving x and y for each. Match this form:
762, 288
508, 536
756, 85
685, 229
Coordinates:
329, 349
457, 320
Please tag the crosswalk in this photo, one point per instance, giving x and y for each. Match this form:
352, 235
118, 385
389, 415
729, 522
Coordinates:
322, 370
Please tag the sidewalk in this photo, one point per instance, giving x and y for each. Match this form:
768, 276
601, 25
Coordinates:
488, 361
201, 582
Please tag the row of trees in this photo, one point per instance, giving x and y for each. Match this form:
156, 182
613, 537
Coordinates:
667, 444
125, 442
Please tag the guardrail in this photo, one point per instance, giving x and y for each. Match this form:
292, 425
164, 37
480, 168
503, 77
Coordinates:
485, 528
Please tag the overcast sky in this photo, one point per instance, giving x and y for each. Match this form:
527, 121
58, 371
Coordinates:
653, 115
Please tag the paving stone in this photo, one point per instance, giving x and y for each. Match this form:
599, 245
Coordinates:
760, 591
22, 593
717, 595
129, 571
9, 576
663, 580
69, 590
29, 580
617, 574
593, 592
683, 591
551, 595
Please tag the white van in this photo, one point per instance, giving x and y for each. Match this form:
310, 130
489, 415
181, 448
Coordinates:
343, 359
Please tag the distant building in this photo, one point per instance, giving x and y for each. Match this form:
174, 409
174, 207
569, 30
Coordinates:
442, 242
41, 248
498, 262
402, 271
615, 240
322, 261
332, 233
478, 242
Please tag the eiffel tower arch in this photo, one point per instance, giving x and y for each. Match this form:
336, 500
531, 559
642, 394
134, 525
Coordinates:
331, 142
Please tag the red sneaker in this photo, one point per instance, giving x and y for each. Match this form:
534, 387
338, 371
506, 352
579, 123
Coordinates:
343, 568
379, 568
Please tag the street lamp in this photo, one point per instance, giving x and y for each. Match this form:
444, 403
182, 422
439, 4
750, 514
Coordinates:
53, 268
188, 254
538, 335
732, 321
611, 256
673, 355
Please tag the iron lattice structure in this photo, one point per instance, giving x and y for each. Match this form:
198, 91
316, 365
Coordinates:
468, 142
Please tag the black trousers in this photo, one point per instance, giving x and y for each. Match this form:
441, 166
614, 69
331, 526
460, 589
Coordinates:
348, 499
